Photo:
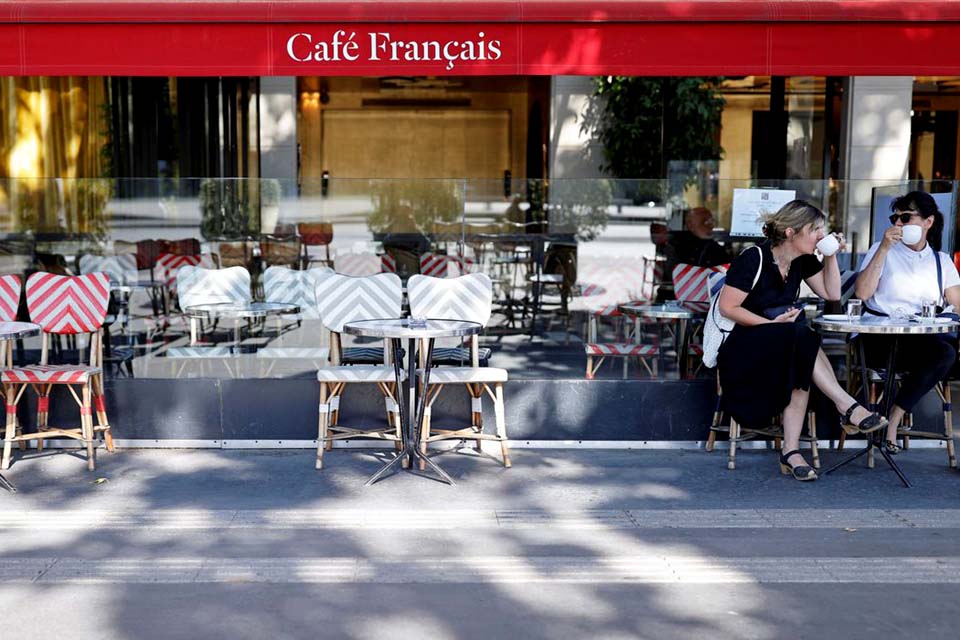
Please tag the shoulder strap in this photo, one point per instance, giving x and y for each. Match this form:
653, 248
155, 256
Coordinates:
760, 268
936, 255
716, 301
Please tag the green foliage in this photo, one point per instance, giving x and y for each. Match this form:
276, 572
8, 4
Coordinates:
230, 209
408, 206
643, 123
579, 207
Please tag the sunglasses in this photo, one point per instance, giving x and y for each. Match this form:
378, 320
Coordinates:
902, 217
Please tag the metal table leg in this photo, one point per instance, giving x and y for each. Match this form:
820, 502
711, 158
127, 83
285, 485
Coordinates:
414, 406
875, 439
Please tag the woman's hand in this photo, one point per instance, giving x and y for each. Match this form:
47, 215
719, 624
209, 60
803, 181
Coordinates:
790, 315
892, 236
842, 241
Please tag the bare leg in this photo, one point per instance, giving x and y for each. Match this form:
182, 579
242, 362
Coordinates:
793, 417
826, 381
896, 417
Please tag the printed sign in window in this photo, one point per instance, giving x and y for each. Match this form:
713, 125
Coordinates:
750, 205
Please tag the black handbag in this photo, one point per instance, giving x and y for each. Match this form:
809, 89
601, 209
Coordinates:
770, 313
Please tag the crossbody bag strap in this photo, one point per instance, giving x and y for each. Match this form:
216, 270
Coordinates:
940, 300
756, 279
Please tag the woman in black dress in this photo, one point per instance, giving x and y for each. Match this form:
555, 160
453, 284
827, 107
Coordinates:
770, 358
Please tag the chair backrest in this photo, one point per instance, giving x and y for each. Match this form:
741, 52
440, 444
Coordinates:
315, 233
342, 299
715, 281
197, 285
167, 265
280, 250
120, 269
444, 266
68, 304
690, 281
848, 282
294, 287
10, 287
357, 264
468, 297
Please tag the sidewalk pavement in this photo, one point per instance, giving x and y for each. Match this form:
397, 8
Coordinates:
566, 544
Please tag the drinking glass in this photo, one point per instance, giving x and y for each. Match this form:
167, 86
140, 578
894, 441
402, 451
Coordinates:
928, 310
854, 309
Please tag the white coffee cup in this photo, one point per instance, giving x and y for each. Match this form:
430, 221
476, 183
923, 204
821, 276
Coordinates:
911, 233
828, 245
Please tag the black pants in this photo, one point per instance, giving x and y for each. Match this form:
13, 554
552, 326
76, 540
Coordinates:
922, 361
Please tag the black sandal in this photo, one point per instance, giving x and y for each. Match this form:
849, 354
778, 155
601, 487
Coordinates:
892, 448
869, 424
803, 473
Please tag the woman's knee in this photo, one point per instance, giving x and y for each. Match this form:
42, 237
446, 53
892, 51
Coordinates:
947, 358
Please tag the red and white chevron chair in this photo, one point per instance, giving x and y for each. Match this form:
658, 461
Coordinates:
691, 287
9, 297
438, 265
168, 265
63, 305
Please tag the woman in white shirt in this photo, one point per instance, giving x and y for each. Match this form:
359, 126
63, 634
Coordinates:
896, 279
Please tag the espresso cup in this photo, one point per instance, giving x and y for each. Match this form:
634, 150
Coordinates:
829, 245
911, 233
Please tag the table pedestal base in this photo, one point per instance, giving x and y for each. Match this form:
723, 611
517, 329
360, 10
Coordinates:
409, 428
875, 439
873, 442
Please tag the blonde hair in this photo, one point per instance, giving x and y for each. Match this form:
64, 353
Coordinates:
795, 215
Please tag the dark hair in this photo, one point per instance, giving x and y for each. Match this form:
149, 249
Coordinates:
795, 215
925, 206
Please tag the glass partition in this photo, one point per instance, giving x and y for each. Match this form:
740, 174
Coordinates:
563, 257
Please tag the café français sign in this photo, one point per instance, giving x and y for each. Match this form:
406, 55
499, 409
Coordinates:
380, 46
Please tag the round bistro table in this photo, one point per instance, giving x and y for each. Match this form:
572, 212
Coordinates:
669, 311
396, 330
238, 311
895, 328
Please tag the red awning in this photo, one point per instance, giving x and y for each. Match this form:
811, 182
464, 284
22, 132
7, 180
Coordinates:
495, 37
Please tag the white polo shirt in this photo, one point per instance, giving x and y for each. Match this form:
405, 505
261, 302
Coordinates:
909, 277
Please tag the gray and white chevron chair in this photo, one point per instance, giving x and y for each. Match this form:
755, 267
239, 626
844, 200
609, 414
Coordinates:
197, 285
468, 297
121, 269
342, 299
281, 284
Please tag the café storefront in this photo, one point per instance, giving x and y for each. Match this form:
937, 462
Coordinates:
431, 126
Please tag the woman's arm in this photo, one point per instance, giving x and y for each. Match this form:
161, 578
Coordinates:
869, 277
952, 296
730, 305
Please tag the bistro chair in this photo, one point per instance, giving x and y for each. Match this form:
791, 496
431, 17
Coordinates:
280, 250
342, 299
197, 286
470, 298
439, 265
10, 288
63, 305
738, 433
315, 234
121, 269
168, 264
357, 264
691, 287
299, 288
